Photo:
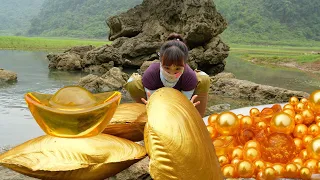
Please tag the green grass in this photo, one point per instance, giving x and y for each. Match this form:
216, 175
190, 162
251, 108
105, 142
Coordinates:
44, 44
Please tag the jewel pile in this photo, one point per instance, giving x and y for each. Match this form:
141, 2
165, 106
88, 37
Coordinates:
276, 142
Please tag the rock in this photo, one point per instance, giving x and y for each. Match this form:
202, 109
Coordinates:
227, 85
146, 64
113, 80
139, 171
219, 108
7, 76
138, 34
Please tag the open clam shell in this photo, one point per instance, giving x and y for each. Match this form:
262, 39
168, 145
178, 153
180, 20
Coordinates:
177, 140
128, 121
73, 111
94, 158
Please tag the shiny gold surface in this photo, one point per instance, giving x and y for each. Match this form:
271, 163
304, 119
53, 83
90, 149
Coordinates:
282, 123
93, 158
227, 123
313, 148
73, 111
314, 101
177, 140
128, 121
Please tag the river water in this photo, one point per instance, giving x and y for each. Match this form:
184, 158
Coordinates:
17, 124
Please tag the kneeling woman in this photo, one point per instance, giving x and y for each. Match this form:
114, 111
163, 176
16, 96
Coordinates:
172, 71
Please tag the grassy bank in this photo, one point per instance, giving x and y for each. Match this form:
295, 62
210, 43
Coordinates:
44, 44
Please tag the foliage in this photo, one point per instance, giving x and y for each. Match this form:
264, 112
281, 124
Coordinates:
270, 20
77, 18
36, 43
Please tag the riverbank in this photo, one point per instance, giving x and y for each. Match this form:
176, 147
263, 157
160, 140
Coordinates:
45, 43
303, 58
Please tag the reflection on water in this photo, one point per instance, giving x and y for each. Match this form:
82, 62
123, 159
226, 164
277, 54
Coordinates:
17, 124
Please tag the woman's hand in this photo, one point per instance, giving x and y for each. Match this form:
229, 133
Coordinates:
192, 100
144, 100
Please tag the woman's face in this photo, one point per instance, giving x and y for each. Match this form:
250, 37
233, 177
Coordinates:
173, 69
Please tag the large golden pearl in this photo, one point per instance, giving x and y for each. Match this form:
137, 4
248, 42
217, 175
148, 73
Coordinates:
291, 112
251, 154
212, 131
227, 123
291, 170
288, 106
252, 143
313, 148
305, 173
254, 112
307, 140
312, 164
293, 101
304, 154
308, 116
313, 130
246, 122
279, 168
298, 119
223, 160
259, 165
269, 173
245, 169
212, 119
314, 102
236, 153
300, 130
300, 107
229, 171
282, 123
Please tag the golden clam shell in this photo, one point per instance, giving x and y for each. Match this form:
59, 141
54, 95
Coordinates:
73, 111
128, 121
94, 158
177, 140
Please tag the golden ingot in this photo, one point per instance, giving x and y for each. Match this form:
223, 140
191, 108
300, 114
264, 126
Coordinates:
293, 101
314, 102
246, 122
229, 171
300, 130
73, 111
305, 173
313, 130
313, 148
177, 140
227, 123
280, 170
312, 165
251, 154
269, 173
128, 121
282, 123
49, 157
212, 119
245, 169
291, 170
308, 116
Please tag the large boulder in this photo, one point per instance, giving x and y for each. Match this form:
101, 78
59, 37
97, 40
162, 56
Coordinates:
7, 76
138, 34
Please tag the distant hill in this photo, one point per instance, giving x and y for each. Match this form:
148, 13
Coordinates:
271, 19
15, 15
77, 18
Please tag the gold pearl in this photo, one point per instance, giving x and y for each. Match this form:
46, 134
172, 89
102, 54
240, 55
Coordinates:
305, 173
288, 106
298, 119
304, 101
223, 160
291, 112
299, 144
279, 168
313, 130
212, 119
300, 107
229, 171
303, 154
259, 165
252, 143
236, 153
251, 154
269, 173
227, 123
300, 130
307, 140
297, 160
282, 123
246, 122
245, 169
314, 102
291, 170
293, 101
313, 148
312, 165
308, 116
254, 112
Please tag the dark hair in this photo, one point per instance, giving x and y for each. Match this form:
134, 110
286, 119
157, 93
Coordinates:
174, 51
